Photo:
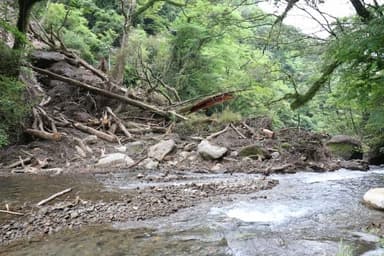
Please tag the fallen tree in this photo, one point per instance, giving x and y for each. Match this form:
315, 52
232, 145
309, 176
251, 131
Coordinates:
169, 115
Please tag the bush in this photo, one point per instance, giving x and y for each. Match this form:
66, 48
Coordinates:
12, 109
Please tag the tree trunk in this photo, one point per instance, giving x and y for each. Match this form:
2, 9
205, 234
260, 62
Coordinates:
25, 7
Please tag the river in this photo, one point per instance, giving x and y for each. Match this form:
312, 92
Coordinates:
306, 214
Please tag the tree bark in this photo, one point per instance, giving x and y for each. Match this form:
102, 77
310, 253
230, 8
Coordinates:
361, 10
25, 7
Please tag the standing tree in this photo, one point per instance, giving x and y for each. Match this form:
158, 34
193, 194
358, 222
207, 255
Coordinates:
25, 7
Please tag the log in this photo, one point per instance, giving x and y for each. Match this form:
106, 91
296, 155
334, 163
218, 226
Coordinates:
44, 135
167, 114
99, 134
42, 202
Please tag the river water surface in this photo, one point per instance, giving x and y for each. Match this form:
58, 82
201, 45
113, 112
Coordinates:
306, 214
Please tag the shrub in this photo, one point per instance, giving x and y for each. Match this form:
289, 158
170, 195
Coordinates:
12, 109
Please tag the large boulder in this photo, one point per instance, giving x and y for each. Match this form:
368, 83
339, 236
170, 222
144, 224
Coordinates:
209, 151
161, 149
345, 147
114, 159
254, 151
376, 155
375, 198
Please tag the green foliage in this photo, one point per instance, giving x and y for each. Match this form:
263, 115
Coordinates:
12, 108
9, 64
228, 116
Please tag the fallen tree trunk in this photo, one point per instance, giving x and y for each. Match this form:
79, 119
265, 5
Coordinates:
167, 114
44, 135
99, 134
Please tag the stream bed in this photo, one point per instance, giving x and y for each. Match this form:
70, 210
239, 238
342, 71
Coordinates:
306, 214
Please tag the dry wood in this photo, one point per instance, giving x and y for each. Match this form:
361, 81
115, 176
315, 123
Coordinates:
147, 130
112, 129
44, 135
19, 162
119, 122
250, 129
237, 131
11, 212
82, 145
80, 151
42, 202
99, 134
214, 135
270, 134
167, 114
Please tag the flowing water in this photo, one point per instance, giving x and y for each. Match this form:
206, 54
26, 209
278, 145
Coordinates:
306, 214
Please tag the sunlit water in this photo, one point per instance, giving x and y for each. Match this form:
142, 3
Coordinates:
306, 214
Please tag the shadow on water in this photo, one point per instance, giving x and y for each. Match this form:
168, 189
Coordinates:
306, 214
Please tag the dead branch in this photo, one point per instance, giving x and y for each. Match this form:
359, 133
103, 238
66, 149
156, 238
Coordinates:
237, 131
11, 212
167, 114
19, 162
56, 136
250, 129
42, 202
119, 123
99, 134
214, 135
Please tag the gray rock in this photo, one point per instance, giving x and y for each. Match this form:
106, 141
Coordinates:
209, 151
121, 148
150, 164
190, 147
44, 59
254, 151
375, 198
275, 155
217, 167
161, 149
356, 165
135, 147
114, 159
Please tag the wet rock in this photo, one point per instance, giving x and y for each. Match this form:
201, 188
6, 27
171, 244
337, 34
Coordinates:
376, 154
375, 198
345, 147
209, 151
354, 165
150, 164
254, 151
161, 149
114, 159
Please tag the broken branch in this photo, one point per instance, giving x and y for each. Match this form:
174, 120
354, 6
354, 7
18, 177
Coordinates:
42, 202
